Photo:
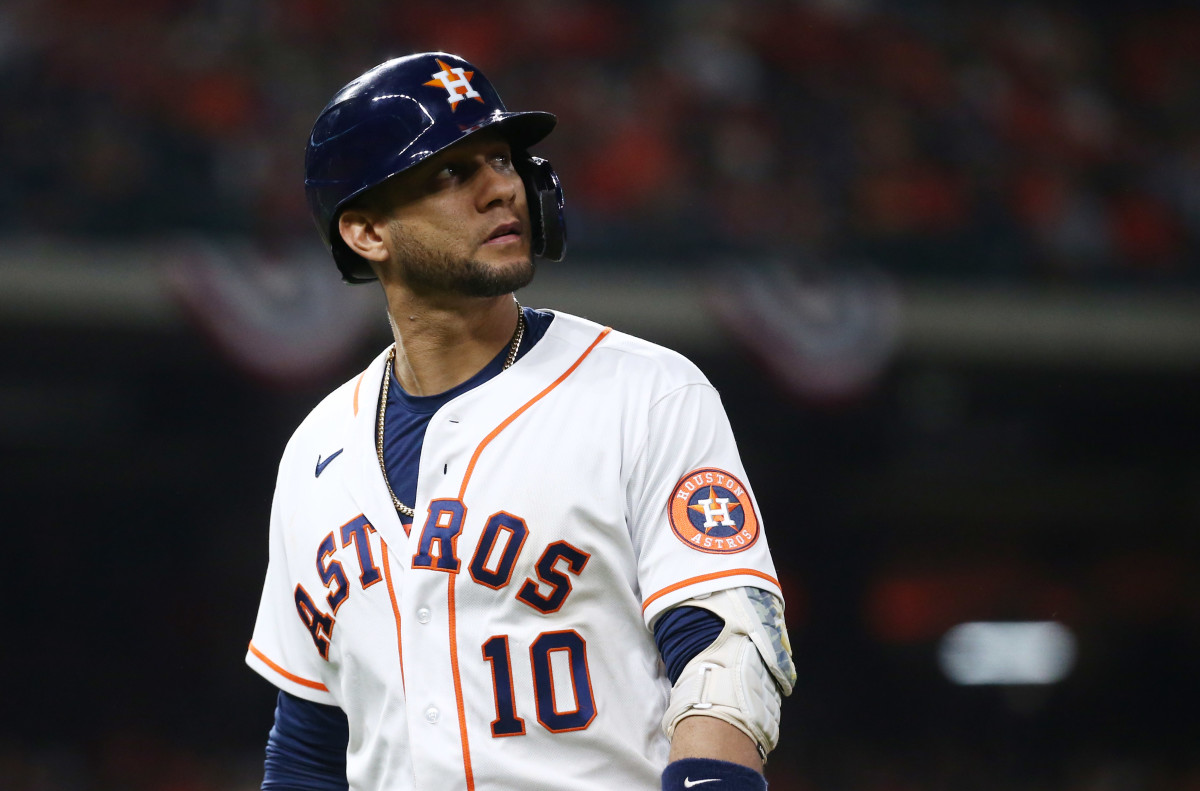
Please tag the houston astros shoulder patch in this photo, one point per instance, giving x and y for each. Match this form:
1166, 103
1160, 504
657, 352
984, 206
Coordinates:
710, 510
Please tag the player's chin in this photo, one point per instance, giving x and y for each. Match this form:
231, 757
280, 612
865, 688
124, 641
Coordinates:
519, 274
515, 262
491, 278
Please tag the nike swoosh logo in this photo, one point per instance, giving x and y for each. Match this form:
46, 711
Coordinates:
688, 782
321, 465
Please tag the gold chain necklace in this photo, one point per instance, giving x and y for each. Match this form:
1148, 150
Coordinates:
513, 347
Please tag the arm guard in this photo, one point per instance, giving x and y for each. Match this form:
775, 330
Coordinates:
743, 675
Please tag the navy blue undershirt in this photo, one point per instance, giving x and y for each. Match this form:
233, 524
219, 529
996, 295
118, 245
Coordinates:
682, 633
306, 750
408, 415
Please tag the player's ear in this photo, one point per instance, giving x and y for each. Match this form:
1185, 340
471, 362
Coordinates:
362, 231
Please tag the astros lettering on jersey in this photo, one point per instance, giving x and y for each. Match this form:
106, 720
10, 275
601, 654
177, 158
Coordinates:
503, 641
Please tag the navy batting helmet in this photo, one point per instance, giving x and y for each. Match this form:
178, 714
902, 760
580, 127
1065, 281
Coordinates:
398, 114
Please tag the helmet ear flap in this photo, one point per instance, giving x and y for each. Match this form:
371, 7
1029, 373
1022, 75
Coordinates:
544, 193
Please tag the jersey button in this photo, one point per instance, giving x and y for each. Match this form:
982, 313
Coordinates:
431, 715
423, 615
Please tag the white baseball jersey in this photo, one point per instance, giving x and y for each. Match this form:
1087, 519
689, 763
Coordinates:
504, 643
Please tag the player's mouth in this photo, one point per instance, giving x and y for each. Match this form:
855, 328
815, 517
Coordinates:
505, 233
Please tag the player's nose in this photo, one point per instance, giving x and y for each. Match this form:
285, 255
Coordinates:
497, 184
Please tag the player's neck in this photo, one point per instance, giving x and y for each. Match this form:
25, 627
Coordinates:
441, 346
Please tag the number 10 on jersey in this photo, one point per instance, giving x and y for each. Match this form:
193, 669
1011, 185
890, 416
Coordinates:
554, 715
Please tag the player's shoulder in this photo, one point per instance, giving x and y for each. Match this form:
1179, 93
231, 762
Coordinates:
626, 356
334, 414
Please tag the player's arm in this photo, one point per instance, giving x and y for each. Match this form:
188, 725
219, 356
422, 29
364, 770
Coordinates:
734, 675
728, 657
710, 738
706, 749
306, 750
681, 634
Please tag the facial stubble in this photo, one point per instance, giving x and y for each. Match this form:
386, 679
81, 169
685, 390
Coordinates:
427, 270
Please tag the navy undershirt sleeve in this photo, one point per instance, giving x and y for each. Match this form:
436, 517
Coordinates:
682, 633
306, 750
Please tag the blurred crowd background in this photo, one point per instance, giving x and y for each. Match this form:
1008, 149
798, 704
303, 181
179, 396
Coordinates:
1044, 140
940, 259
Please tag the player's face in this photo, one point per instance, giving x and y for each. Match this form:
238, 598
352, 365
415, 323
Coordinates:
460, 222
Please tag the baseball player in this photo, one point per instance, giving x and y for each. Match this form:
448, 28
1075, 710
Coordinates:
519, 550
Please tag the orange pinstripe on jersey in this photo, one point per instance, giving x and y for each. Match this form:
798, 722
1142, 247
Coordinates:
387, 575
705, 578
508, 421
358, 385
289, 676
462, 719
458, 696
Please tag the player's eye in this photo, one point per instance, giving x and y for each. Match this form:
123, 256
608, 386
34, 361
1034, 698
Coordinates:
449, 174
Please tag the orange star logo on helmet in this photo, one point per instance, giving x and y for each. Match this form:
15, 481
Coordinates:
457, 82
